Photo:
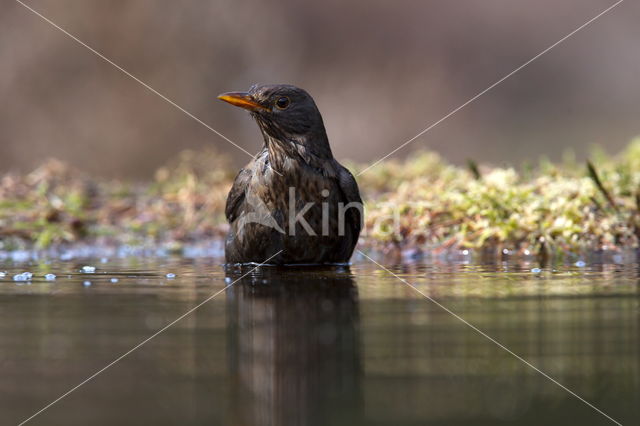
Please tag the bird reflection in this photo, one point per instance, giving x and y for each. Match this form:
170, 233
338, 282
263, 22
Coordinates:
294, 347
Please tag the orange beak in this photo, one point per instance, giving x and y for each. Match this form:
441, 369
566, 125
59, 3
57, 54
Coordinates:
242, 100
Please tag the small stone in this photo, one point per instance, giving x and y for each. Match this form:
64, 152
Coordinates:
170, 275
88, 269
3, 274
50, 277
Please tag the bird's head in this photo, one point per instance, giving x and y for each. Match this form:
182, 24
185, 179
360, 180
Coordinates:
287, 115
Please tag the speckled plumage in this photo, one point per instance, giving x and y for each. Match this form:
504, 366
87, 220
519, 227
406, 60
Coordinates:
296, 155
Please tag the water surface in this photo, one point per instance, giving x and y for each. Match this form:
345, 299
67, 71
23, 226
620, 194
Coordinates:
318, 346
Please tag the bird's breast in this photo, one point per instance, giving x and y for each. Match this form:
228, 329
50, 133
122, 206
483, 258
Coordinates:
302, 192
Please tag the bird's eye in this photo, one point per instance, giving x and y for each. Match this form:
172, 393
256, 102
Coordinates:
282, 102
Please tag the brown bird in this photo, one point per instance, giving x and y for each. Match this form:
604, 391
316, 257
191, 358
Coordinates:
294, 196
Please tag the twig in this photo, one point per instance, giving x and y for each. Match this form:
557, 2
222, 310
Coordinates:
593, 174
473, 167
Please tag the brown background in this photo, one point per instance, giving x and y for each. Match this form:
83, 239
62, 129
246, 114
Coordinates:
380, 71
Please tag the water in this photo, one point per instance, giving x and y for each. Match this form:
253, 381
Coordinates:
318, 346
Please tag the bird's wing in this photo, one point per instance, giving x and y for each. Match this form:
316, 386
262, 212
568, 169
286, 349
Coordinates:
236, 194
351, 193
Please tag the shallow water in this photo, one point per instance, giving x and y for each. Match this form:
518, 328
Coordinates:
318, 346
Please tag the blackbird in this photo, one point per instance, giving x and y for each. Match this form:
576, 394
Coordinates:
293, 197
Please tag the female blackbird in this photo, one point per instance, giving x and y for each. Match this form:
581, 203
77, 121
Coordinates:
294, 196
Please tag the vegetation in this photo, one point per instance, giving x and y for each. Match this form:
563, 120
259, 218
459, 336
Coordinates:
58, 205
548, 209
420, 203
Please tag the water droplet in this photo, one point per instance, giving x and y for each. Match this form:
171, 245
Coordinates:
25, 276
581, 264
171, 275
88, 269
86, 283
50, 277
536, 270
66, 256
114, 280
228, 280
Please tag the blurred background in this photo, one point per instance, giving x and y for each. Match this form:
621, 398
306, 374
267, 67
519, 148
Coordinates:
380, 72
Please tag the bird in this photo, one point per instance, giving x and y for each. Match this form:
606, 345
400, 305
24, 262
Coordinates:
293, 204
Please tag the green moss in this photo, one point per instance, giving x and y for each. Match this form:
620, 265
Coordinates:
563, 207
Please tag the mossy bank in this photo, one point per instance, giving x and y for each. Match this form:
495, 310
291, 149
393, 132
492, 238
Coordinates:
422, 204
